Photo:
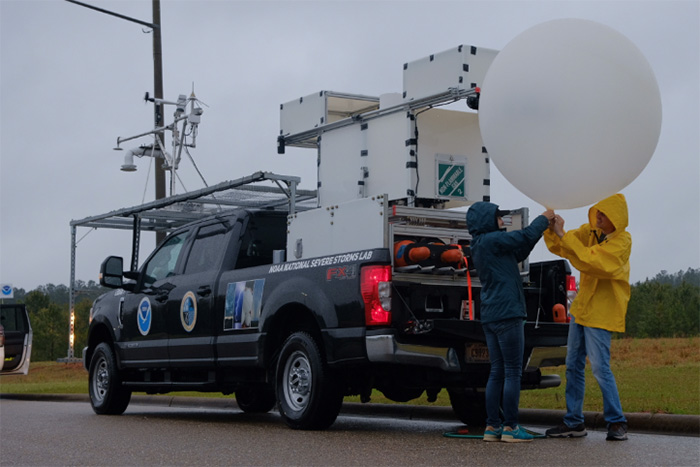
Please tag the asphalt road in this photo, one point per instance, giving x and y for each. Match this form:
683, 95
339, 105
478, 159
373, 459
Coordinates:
67, 432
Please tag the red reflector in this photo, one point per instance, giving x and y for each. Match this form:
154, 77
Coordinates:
371, 277
571, 292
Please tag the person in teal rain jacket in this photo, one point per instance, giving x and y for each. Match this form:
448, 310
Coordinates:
496, 254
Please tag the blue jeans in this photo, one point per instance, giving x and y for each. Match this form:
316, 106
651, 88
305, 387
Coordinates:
595, 343
506, 342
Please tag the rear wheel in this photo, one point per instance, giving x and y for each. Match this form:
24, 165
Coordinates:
107, 395
468, 405
308, 396
256, 399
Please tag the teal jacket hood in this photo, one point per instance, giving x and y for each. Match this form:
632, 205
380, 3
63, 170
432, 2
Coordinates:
481, 218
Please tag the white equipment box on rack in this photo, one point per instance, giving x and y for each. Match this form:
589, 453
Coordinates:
399, 145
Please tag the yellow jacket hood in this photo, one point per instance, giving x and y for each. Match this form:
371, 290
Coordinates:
615, 208
604, 289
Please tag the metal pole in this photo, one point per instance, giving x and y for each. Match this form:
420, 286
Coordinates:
102, 10
135, 241
158, 94
71, 296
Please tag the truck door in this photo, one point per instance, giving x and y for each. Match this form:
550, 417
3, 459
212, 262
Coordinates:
190, 309
18, 339
142, 313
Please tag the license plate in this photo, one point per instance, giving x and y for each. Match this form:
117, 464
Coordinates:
477, 353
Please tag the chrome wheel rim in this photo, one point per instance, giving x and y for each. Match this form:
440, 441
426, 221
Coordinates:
297, 381
100, 380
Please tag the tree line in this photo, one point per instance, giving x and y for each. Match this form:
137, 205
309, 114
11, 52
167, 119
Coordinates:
667, 305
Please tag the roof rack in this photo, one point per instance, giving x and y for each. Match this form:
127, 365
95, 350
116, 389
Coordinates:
174, 211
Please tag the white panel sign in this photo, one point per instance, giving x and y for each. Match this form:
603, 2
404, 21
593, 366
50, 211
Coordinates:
6, 291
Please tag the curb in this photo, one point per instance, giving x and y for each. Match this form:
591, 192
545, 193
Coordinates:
682, 425
668, 424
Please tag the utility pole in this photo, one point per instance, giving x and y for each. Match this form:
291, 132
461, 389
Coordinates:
158, 107
159, 172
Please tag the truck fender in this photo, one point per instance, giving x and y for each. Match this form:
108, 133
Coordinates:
304, 292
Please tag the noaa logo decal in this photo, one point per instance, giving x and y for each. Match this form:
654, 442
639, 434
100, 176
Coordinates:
188, 311
144, 316
7, 291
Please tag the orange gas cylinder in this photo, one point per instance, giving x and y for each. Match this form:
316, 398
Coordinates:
400, 252
559, 313
453, 255
409, 252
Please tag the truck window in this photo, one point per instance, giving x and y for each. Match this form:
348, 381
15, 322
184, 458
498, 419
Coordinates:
164, 261
206, 249
13, 318
262, 237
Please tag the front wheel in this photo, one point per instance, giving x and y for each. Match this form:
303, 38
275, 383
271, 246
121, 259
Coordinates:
107, 395
307, 395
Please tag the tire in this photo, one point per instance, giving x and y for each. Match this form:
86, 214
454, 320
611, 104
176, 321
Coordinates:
468, 405
256, 399
107, 395
308, 396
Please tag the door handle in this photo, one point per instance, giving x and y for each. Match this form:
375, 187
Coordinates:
161, 298
204, 291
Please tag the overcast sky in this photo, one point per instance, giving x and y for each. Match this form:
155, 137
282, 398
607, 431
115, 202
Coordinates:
72, 80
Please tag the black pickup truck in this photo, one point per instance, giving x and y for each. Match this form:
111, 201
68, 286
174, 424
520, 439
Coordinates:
218, 307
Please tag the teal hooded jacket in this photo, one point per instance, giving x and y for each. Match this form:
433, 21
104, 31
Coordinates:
496, 255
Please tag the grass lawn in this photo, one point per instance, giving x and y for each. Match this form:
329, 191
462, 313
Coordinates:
653, 375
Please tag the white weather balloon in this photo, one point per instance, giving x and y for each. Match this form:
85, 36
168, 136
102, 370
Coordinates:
570, 112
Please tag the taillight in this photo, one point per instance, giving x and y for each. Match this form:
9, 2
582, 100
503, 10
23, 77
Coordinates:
376, 293
571, 292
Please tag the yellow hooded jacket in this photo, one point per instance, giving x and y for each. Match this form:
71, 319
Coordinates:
604, 288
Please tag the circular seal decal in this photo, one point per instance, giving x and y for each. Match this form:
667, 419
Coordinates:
188, 311
144, 316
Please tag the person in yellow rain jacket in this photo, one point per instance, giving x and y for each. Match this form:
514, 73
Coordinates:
600, 250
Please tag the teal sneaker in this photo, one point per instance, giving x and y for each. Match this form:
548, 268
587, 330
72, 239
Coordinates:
493, 434
516, 435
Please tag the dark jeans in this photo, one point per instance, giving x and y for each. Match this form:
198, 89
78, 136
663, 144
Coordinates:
506, 343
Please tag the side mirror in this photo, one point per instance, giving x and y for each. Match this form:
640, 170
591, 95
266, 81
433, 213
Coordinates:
112, 272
